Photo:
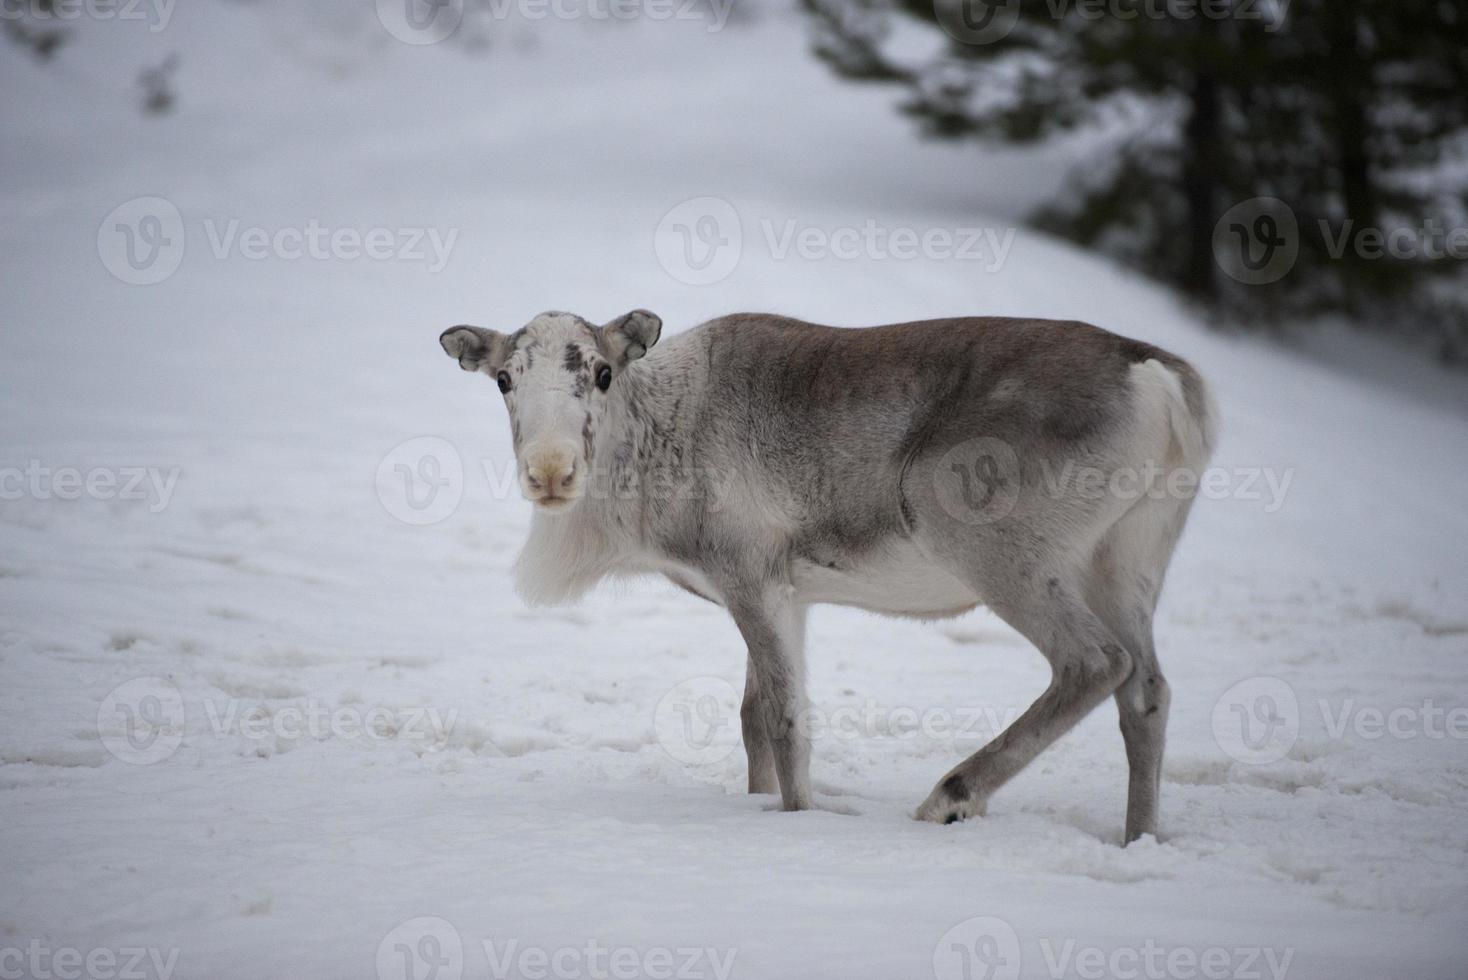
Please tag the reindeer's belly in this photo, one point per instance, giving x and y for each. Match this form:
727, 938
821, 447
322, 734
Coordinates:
898, 579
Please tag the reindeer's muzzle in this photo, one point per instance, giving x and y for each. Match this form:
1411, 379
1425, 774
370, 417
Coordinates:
552, 477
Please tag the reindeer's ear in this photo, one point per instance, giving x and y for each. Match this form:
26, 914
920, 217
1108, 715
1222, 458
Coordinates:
475, 348
629, 336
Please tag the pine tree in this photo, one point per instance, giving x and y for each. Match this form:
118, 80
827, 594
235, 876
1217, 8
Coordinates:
1349, 112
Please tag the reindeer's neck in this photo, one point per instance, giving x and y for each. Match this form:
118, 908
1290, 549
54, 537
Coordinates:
566, 555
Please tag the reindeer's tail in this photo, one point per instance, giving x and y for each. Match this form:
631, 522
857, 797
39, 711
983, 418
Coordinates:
1192, 413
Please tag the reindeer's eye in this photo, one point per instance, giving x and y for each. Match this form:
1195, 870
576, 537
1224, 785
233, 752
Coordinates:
504, 382
604, 378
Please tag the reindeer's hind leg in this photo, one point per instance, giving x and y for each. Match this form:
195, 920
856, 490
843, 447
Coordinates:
1126, 579
1142, 702
1087, 662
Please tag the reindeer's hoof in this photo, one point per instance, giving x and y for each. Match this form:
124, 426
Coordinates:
942, 807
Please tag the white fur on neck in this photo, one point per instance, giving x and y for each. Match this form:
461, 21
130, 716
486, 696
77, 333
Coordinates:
566, 555
564, 558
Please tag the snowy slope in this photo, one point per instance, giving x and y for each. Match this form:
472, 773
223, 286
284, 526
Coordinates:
380, 750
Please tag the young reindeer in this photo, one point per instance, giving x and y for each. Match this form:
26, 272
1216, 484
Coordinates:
917, 469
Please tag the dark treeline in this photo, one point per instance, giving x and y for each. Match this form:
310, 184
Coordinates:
1351, 113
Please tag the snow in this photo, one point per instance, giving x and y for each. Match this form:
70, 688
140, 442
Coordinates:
381, 750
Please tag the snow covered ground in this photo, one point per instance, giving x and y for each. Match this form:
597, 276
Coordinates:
269, 707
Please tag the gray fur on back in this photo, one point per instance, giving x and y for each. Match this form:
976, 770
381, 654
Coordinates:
823, 423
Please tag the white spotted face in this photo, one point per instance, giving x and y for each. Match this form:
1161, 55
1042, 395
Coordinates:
557, 375
555, 383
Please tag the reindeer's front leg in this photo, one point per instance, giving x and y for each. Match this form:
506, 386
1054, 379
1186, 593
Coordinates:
774, 629
757, 747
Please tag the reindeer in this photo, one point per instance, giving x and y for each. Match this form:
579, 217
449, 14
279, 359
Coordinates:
767, 464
